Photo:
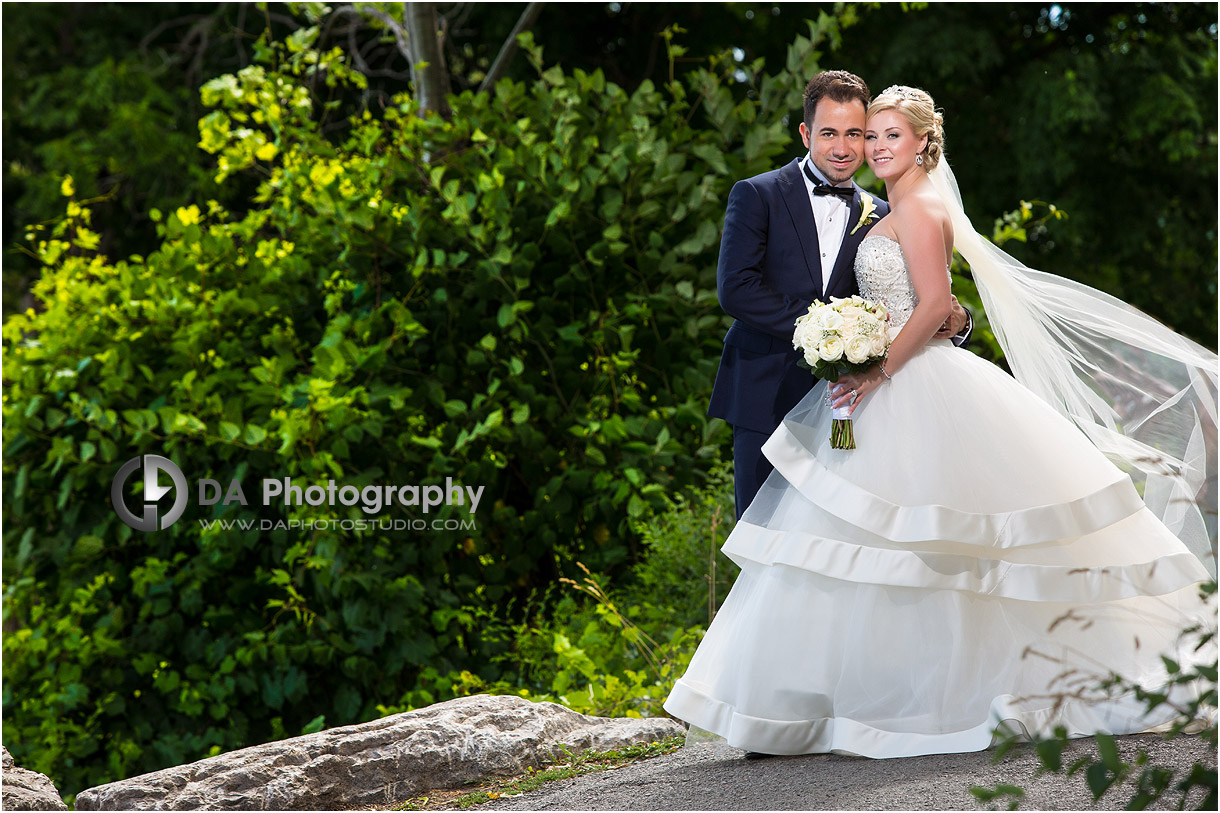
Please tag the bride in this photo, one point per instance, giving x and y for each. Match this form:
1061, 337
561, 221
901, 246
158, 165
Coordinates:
992, 549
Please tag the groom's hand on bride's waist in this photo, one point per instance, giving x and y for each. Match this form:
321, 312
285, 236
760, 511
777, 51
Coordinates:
956, 323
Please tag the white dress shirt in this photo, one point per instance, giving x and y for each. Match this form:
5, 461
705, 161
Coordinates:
830, 213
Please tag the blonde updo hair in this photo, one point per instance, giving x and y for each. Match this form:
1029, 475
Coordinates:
917, 108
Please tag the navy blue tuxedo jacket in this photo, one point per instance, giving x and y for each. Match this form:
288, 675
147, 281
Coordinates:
770, 269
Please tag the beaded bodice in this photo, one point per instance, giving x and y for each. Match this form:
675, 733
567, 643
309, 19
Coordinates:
883, 276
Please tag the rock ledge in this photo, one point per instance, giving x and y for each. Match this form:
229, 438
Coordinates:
26, 790
381, 762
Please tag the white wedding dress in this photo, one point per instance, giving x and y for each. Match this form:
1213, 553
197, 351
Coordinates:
975, 560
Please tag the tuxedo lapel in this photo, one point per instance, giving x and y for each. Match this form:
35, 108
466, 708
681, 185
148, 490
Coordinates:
796, 198
842, 275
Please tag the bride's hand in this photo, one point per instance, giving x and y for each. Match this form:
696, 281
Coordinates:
851, 389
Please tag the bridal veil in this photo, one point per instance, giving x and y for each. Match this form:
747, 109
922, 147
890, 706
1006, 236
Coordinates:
1144, 395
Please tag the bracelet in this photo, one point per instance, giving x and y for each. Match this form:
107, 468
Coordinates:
888, 377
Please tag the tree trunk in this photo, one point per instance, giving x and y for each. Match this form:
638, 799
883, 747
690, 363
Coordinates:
428, 68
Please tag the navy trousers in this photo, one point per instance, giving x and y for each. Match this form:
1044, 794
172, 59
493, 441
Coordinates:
750, 466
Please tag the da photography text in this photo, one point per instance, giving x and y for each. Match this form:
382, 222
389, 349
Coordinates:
372, 499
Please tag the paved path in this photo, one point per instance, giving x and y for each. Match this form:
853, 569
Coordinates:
709, 777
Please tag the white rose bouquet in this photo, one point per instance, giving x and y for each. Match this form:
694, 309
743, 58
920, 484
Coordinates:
846, 336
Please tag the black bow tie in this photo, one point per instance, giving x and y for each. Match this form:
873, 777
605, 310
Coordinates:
845, 192
820, 188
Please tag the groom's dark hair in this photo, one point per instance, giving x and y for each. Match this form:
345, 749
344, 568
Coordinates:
838, 86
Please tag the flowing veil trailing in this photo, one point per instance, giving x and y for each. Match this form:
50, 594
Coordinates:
1144, 395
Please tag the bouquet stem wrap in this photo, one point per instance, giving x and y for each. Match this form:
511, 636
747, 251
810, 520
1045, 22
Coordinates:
841, 434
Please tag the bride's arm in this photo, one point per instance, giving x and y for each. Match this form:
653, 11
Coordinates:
922, 238
923, 243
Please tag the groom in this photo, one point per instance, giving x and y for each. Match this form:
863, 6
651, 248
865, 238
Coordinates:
790, 237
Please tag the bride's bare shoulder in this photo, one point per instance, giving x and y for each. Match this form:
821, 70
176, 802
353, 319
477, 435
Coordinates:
922, 209
929, 206
923, 213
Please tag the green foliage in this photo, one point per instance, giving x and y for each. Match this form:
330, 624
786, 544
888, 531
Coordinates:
521, 298
682, 576
589, 656
1033, 95
1147, 783
618, 653
96, 124
106, 93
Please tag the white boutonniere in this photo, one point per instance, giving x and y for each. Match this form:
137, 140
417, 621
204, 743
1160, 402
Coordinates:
867, 210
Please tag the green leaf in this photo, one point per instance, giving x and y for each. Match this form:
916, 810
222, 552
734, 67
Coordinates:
315, 725
713, 156
302, 39
1108, 750
1050, 752
23, 478
65, 492
756, 139
1099, 779
88, 546
25, 548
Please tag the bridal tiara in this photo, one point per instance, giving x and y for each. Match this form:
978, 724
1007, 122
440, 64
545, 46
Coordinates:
903, 91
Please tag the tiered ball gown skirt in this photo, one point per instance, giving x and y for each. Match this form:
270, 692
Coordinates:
974, 561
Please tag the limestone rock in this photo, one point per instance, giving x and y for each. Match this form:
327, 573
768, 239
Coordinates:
380, 762
26, 790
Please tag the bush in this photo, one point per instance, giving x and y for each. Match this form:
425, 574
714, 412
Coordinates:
618, 652
521, 298
683, 577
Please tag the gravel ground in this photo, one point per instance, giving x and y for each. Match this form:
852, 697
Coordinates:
711, 777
